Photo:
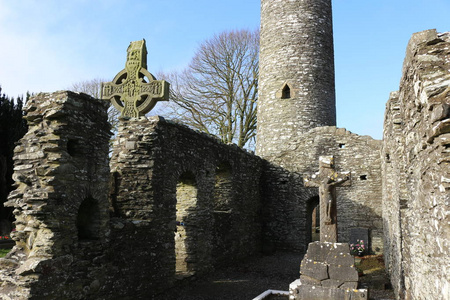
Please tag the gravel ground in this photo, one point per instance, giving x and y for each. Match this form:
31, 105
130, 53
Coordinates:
251, 278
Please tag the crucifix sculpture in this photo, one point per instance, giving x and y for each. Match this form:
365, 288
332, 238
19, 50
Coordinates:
129, 92
327, 179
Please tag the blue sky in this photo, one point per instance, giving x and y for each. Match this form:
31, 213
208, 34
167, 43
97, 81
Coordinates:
48, 45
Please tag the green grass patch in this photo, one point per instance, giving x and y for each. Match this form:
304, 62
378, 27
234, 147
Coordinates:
3, 252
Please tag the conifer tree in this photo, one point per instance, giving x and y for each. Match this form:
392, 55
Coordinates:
12, 128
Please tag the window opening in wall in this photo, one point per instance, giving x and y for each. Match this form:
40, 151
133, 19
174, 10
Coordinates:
72, 147
286, 92
184, 238
363, 177
115, 182
224, 237
341, 146
313, 219
388, 157
88, 220
223, 188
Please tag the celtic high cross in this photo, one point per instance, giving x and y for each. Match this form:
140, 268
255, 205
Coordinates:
129, 92
327, 179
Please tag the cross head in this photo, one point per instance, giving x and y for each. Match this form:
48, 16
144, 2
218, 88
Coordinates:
134, 91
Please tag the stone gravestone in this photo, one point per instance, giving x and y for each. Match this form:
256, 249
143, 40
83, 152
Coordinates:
129, 92
327, 271
360, 234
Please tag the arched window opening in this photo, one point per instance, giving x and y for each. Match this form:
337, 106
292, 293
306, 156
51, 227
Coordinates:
313, 219
88, 220
286, 92
184, 241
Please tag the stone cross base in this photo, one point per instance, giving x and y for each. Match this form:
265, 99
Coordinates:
327, 272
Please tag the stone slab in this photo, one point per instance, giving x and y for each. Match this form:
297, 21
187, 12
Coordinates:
343, 258
331, 283
361, 294
309, 280
314, 269
349, 285
309, 292
343, 273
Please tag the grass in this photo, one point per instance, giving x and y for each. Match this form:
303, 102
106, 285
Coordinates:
3, 252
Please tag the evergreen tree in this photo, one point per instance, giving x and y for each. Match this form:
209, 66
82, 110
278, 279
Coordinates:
12, 128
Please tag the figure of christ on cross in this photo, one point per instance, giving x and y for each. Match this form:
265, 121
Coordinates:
327, 179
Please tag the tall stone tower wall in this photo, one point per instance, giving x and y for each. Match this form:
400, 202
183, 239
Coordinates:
296, 83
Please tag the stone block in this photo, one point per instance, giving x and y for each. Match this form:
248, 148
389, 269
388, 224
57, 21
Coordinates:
349, 285
318, 251
331, 283
361, 294
309, 292
343, 273
314, 269
341, 258
309, 280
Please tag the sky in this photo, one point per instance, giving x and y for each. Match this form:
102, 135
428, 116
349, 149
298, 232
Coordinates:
48, 45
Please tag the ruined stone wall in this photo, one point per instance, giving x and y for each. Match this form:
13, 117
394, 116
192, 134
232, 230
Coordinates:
394, 189
183, 204
180, 204
289, 203
296, 71
417, 171
60, 201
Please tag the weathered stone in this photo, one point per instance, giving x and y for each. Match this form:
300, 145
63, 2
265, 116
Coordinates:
342, 258
327, 265
128, 92
343, 273
332, 283
327, 179
353, 294
349, 285
314, 269
415, 195
309, 280
49, 198
309, 292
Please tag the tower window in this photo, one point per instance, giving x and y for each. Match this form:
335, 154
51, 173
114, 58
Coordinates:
286, 92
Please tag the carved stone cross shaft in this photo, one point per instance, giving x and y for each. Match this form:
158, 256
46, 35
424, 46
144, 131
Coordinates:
129, 92
327, 179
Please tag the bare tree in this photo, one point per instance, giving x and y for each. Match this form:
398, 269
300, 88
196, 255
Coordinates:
218, 91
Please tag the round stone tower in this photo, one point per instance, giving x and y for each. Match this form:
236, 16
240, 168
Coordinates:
296, 65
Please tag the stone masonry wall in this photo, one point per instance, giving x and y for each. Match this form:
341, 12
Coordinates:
288, 203
417, 171
183, 204
394, 190
180, 204
296, 71
60, 201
